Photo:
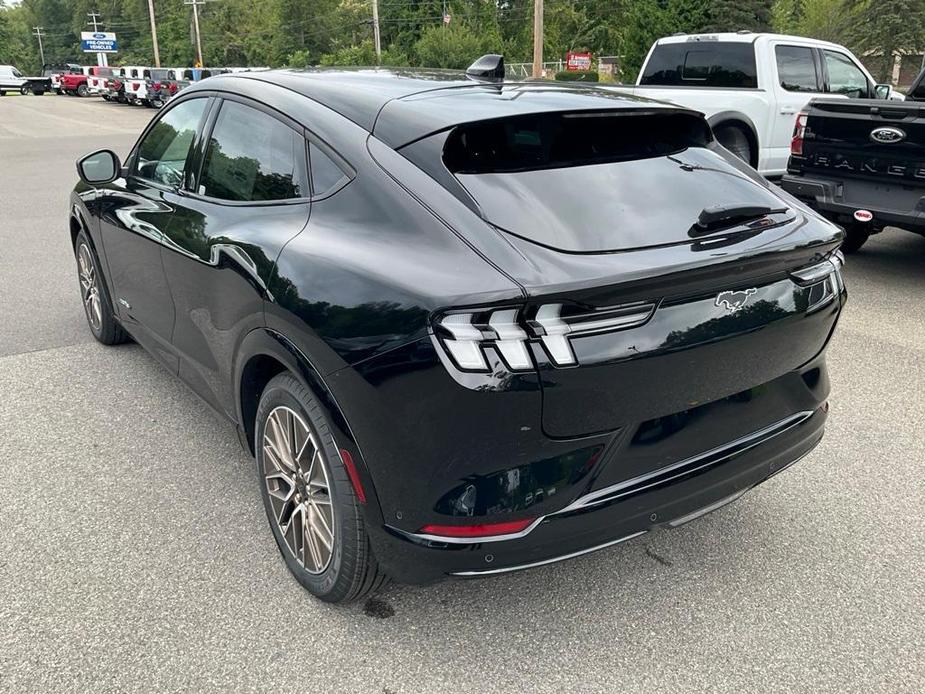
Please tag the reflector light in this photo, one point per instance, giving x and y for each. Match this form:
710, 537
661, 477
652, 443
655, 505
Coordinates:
799, 129
481, 530
353, 475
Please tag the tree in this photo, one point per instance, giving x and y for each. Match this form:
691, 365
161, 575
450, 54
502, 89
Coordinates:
886, 28
829, 20
454, 46
735, 15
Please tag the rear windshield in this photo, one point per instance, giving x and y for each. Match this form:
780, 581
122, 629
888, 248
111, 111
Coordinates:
558, 140
702, 64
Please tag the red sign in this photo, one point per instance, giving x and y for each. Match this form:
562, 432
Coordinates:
577, 61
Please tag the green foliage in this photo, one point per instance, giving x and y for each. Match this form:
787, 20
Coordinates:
455, 46
885, 28
15, 45
829, 20
577, 76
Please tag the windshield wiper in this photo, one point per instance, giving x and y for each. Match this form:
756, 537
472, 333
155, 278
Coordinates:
725, 216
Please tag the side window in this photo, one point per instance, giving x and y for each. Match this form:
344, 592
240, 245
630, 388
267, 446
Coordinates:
326, 175
253, 157
162, 153
796, 70
702, 63
844, 76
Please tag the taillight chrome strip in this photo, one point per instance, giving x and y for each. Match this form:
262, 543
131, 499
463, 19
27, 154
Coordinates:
553, 560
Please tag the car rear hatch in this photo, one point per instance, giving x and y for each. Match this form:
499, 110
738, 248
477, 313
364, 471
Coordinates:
673, 296
856, 139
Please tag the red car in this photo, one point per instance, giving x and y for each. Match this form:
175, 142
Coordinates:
74, 84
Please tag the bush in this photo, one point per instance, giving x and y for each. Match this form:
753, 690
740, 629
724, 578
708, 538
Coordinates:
577, 76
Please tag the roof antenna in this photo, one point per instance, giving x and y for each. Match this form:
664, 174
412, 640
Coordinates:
488, 68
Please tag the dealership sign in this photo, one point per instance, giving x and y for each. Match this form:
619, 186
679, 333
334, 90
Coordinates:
577, 61
98, 42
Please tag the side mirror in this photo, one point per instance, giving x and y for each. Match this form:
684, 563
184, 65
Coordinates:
99, 168
883, 91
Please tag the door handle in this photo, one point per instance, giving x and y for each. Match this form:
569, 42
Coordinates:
787, 111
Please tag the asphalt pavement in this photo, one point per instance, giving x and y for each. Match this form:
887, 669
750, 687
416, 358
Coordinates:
135, 555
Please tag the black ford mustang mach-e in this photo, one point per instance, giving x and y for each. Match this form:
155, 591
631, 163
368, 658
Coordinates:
465, 326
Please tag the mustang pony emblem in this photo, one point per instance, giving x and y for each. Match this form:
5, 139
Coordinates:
733, 301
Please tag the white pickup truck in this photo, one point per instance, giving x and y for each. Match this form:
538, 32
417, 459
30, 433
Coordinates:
752, 86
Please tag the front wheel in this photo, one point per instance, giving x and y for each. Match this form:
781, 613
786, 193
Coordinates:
856, 235
25, 89
311, 505
733, 138
97, 305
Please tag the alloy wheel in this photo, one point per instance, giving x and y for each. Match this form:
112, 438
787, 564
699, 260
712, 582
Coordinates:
296, 476
90, 288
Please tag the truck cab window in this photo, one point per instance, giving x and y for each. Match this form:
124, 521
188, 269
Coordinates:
845, 77
796, 70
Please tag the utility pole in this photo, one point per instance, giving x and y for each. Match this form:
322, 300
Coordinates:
196, 4
537, 38
376, 41
157, 53
38, 32
95, 17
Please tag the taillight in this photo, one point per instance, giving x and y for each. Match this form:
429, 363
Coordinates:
481, 530
799, 129
135, 86
509, 331
823, 280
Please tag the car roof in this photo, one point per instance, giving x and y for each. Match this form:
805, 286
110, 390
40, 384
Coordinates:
400, 106
742, 37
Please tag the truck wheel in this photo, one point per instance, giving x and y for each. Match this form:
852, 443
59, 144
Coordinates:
25, 89
733, 138
856, 235
82, 90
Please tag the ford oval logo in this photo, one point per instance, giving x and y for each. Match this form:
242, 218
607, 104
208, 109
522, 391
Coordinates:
887, 135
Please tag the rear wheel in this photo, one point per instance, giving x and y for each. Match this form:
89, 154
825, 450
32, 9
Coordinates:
82, 90
95, 297
25, 89
310, 503
733, 138
856, 235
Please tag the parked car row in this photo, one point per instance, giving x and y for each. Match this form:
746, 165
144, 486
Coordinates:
133, 84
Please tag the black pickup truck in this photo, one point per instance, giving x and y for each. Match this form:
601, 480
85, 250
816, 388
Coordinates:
862, 163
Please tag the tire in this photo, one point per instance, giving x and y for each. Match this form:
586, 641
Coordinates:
82, 90
297, 503
733, 138
60, 91
856, 235
106, 97
25, 89
39, 92
101, 318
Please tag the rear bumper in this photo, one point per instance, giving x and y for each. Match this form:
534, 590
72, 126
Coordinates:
891, 204
669, 497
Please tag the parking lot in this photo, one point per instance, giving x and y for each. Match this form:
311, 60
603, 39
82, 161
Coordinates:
135, 554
